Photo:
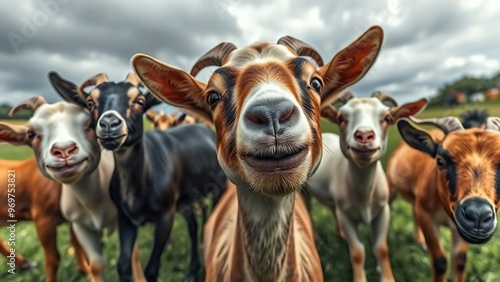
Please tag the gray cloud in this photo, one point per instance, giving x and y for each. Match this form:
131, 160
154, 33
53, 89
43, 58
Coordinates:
427, 43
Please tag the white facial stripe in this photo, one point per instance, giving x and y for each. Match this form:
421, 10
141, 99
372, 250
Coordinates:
364, 114
61, 123
269, 92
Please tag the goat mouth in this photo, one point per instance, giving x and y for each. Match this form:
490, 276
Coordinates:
363, 150
480, 237
66, 170
110, 138
111, 142
276, 162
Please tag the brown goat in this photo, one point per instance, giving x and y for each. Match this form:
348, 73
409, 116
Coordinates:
38, 199
451, 178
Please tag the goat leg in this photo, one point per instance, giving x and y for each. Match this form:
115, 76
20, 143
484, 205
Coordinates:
163, 228
194, 264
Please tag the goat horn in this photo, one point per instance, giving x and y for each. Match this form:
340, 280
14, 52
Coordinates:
446, 124
493, 123
217, 56
384, 98
94, 80
343, 99
301, 48
134, 79
29, 104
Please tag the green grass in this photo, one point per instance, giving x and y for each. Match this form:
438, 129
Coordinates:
409, 261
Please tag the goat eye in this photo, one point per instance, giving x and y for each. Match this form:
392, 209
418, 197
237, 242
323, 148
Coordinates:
140, 102
90, 104
31, 135
440, 162
316, 84
213, 98
340, 119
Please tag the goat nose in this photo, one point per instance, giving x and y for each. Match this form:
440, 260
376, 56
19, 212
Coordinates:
273, 115
63, 152
110, 122
364, 137
479, 215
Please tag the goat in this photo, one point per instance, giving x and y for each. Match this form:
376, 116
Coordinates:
160, 172
37, 199
451, 178
264, 100
353, 184
66, 151
164, 121
469, 119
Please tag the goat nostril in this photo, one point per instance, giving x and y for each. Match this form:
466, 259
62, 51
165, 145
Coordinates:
72, 150
286, 115
57, 153
116, 123
257, 118
486, 218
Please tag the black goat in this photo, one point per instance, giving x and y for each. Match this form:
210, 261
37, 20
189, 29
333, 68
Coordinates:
160, 172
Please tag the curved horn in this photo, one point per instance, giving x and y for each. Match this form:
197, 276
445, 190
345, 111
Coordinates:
134, 80
384, 98
94, 80
343, 99
301, 48
446, 124
493, 123
217, 56
29, 104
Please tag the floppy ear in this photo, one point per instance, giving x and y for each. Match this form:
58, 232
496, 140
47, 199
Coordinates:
330, 113
409, 109
417, 138
66, 89
350, 64
151, 114
172, 85
14, 134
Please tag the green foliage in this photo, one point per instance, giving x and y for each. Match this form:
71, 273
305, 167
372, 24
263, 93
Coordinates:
409, 261
465, 84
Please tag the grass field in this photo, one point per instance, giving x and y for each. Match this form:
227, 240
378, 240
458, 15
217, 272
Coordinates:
409, 261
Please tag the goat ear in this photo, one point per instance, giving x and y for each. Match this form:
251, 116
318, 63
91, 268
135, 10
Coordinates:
417, 138
350, 64
172, 85
409, 109
14, 134
151, 114
66, 89
330, 113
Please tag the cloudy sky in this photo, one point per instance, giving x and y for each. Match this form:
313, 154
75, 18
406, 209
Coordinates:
427, 43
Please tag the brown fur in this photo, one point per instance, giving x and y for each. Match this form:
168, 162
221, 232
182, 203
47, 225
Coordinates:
235, 238
37, 199
416, 177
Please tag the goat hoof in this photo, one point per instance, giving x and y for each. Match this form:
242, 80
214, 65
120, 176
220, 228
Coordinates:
28, 264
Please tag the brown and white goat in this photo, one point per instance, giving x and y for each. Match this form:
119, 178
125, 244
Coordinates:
66, 151
451, 178
265, 101
350, 179
38, 199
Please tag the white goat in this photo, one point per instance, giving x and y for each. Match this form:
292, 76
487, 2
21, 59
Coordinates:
353, 184
67, 151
